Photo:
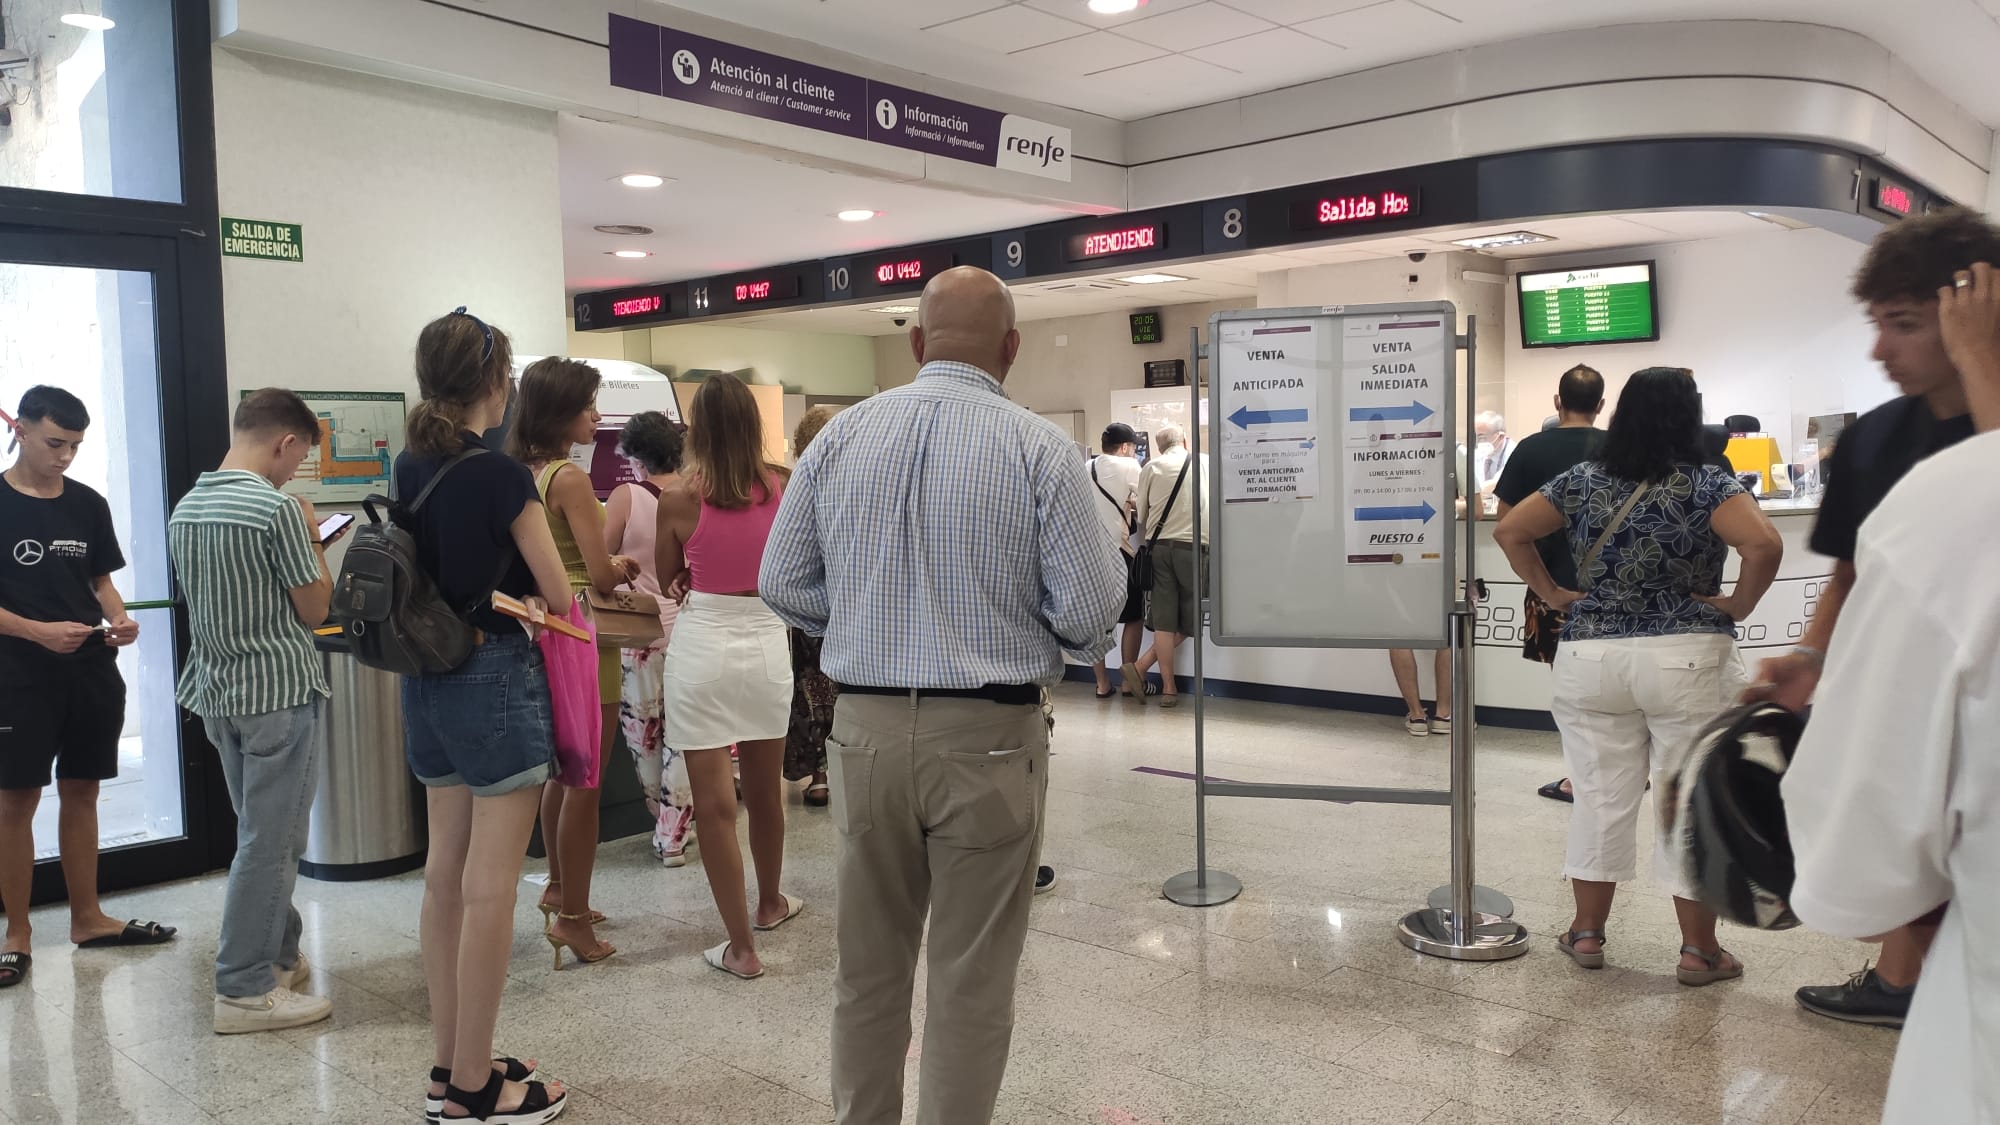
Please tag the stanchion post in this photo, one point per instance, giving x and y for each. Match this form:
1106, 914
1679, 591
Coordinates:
1463, 932
1199, 887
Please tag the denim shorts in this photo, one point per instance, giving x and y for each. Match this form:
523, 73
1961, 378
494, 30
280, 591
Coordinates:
485, 724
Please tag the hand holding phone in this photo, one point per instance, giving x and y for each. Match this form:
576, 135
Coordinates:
334, 526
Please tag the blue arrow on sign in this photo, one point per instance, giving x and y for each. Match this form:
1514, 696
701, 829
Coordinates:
1421, 512
1246, 417
1415, 412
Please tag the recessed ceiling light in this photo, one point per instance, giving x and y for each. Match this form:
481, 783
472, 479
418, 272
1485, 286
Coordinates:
1496, 241
856, 215
1114, 7
1153, 278
89, 22
896, 310
631, 253
641, 180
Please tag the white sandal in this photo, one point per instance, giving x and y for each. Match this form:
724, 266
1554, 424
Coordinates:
715, 956
792, 908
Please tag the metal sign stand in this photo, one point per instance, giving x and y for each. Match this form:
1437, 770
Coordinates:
1457, 928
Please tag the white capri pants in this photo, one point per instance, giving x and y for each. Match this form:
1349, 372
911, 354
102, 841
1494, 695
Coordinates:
1629, 710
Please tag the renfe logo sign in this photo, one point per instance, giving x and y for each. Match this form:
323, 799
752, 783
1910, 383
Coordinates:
676, 64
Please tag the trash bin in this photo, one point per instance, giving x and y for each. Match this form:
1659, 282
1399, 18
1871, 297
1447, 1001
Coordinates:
367, 817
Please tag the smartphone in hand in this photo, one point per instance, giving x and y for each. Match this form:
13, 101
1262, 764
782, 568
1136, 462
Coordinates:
331, 527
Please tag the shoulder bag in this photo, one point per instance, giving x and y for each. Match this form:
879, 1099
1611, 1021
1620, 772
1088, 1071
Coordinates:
1617, 521
1131, 517
1142, 563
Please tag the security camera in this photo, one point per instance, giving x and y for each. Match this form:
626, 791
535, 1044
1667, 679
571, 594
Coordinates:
1419, 255
900, 321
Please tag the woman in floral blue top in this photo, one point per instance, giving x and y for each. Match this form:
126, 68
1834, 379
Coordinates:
1648, 655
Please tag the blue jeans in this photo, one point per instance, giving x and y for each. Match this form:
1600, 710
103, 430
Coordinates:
268, 761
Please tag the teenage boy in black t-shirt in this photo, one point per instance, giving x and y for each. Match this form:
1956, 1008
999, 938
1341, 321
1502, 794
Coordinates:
1537, 461
1900, 281
62, 701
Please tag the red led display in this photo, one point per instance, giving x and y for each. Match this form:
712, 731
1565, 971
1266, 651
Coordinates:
637, 306
1895, 198
1320, 212
1110, 243
753, 290
889, 273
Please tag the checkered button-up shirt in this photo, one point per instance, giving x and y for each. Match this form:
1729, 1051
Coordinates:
940, 536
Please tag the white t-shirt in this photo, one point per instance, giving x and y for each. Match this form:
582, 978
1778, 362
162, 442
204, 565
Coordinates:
1894, 796
1118, 476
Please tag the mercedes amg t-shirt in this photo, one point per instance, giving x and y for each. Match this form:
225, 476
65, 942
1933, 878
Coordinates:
52, 552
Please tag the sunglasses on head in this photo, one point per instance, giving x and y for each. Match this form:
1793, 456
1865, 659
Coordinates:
487, 353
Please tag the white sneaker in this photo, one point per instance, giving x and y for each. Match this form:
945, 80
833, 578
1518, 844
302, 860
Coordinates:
275, 1010
1417, 727
295, 977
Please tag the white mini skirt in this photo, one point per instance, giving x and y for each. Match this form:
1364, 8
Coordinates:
728, 673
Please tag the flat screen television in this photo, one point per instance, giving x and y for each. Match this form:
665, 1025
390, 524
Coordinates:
1609, 304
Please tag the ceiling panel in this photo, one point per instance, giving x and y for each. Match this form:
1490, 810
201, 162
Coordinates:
1391, 26
1089, 53
1198, 25
1277, 54
1950, 42
1015, 27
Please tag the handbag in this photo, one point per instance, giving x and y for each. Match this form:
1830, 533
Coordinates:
1142, 562
624, 618
574, 706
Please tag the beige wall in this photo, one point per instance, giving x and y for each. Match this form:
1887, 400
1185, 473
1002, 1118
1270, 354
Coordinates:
813, 362
1096, 356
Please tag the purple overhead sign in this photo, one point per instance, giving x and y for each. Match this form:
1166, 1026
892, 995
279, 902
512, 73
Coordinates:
692, 68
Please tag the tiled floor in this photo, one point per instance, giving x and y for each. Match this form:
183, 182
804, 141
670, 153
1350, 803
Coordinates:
1293, 1004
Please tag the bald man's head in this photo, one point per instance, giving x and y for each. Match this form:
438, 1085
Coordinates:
967, 316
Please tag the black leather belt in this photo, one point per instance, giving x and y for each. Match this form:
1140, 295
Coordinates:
1010, 694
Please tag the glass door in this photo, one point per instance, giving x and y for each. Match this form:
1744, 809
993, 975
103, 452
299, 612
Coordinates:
87, 314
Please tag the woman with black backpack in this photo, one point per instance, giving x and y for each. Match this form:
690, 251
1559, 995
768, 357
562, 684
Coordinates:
479, 735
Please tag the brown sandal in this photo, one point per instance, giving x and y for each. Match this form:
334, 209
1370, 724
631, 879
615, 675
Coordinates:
1696, 978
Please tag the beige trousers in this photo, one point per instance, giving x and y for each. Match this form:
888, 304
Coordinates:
939, 805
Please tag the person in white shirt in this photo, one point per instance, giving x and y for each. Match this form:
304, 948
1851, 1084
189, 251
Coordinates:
1166, 513
1114, 485
1893, 797
1495, 447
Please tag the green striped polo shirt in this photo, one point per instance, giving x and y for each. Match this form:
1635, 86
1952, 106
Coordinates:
240, 546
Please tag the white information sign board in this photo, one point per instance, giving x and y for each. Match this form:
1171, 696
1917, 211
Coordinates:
1269, 445
1334, 459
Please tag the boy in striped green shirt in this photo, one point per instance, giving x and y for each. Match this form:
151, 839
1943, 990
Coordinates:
256, 582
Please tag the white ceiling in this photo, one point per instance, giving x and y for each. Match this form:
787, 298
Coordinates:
1172, 54
729, 209
1236, 278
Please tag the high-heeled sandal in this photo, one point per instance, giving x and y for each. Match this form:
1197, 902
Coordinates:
550, 910
604, 948
536, 1108
513, 1070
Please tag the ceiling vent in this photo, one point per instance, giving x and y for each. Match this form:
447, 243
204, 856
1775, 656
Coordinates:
626, 229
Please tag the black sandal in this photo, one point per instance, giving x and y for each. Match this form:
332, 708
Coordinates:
534, 1109
513, 1070
134, 933
1554, 791
14, 968
1112, 694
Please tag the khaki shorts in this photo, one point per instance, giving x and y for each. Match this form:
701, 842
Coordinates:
1176, 604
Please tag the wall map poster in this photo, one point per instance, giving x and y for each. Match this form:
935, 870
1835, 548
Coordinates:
360, 434
1394, 379
1270, 443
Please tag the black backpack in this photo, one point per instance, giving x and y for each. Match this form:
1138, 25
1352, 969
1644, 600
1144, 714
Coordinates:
388, 609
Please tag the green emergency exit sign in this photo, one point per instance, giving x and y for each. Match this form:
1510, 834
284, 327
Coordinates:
256, 238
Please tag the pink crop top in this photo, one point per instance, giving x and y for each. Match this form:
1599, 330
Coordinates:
727, 547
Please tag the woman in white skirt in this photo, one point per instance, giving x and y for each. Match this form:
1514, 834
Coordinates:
729, 666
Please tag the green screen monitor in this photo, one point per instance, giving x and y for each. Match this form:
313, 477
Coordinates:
1612, 304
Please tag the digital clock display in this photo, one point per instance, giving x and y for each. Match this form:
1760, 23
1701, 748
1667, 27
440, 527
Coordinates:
1110, 243
1894, 198
1360, 207
637, 306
